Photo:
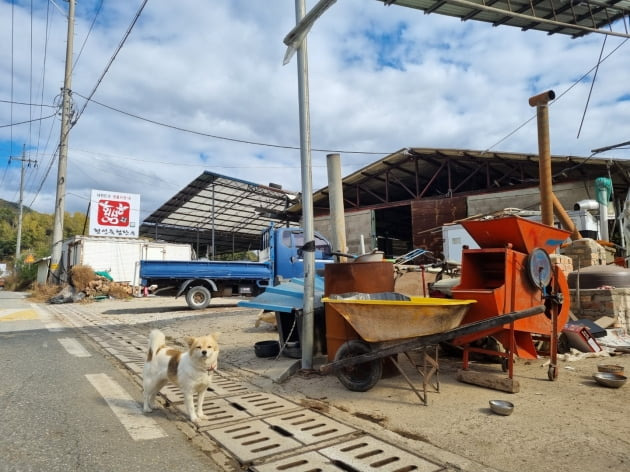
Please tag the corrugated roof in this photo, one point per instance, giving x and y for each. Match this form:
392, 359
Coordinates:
413, 173
235, 210
569, 17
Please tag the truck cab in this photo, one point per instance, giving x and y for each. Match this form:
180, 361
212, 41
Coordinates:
288, 254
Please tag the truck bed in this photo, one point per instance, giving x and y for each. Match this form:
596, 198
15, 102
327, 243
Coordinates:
233, 270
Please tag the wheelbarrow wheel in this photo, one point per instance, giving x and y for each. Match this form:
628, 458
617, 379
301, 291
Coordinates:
359, 377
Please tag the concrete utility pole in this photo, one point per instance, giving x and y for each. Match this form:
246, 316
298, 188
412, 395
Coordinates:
23, 159
60, 199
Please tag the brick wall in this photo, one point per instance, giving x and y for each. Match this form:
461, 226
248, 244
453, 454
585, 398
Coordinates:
595, 303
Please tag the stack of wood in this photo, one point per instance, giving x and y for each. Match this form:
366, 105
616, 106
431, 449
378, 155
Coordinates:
103, 286
84, 279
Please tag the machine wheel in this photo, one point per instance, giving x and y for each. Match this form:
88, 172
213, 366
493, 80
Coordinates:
552, 373
198, 297
360, 377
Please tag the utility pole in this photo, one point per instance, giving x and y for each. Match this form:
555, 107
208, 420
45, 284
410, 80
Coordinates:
60, 199
23, 159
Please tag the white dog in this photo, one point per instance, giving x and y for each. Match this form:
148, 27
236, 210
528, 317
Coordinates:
191, 370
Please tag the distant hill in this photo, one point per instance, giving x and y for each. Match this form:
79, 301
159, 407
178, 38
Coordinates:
14, 207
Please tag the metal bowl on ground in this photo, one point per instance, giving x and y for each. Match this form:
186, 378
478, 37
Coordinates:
611, 368
609, 379
501, 407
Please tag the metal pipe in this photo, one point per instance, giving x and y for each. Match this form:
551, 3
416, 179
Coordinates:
335, 198
308, 324
564, 218
541, 101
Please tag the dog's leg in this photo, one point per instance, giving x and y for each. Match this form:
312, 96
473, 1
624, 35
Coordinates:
151, 389
200, 398
190, 407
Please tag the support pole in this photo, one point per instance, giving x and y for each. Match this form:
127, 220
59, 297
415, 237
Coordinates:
541, 102
60, 199
335, 197
307, 197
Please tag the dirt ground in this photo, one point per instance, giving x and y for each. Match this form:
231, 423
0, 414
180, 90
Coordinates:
571, 424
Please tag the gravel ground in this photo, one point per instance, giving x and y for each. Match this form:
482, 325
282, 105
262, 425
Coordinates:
571, 424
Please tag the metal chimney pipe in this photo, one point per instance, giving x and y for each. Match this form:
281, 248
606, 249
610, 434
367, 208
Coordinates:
541, 101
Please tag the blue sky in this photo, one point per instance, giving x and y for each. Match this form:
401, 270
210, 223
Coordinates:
380, 78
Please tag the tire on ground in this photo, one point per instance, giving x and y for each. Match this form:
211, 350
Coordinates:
198, 297
360, 377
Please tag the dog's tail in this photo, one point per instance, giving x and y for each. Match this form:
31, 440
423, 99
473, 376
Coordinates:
156, 341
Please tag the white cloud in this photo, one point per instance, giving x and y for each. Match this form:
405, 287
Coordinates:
380, 78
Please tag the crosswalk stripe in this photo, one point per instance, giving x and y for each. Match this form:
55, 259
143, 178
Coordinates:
74, 347
126, 409
49, 322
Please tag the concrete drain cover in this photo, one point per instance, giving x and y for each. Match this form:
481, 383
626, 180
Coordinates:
218, 411
309, 427
252, 440
222, 386
307, 462
368, 453
259, 404
172, 393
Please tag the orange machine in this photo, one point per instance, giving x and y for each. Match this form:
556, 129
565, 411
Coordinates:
510, 272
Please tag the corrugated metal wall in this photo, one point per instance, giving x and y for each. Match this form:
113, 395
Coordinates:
428, 216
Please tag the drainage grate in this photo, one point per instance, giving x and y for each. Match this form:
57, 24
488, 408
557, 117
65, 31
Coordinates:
252, 440
222, 386
307, 462
219, 411
172, 393
259, 403
369, 453
309, 427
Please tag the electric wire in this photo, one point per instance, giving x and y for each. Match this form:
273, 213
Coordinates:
27, 121
41, 106
98, 10
111, 60
223, 138
588, 99
561, 95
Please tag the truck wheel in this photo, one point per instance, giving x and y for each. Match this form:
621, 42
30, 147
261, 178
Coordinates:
198, 297
358, 377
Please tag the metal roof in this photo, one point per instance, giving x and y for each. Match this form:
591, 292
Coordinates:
570, 17
415, 173
213, 207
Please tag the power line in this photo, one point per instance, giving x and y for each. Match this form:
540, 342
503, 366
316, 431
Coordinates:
111, 60
27, 104
27, 121
224, 138
562, 94
98, 10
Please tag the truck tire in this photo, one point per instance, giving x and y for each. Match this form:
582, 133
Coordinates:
198, 297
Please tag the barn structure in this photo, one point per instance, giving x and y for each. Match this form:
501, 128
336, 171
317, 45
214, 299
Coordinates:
397, 203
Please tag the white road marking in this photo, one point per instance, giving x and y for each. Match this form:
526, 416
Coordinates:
74, 347
126, 409
49, 321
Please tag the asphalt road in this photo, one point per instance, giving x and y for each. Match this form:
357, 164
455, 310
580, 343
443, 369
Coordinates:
64, 407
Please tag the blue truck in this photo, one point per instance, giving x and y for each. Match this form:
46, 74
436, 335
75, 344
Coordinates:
280, 258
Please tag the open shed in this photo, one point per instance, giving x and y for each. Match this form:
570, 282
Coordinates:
217, 214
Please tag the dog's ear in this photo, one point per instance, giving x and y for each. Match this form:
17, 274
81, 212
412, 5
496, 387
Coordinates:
215, 335
189, 340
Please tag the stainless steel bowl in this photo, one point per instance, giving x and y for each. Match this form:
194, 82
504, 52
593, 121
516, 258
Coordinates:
501, 407
609, 379
612, 368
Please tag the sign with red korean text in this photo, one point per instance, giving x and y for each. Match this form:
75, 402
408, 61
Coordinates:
114, 214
